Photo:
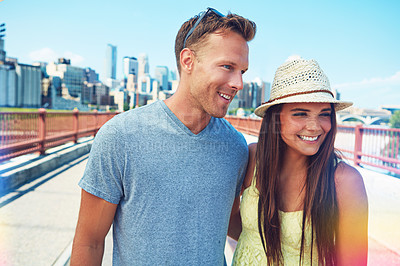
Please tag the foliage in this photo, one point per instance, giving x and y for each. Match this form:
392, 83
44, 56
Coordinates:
247, 110
12, 109
126, 106
395, 120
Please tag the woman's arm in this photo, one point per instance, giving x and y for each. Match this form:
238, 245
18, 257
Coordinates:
235, 222
352, 238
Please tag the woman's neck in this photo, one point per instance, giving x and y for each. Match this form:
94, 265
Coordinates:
291, 183
294, 163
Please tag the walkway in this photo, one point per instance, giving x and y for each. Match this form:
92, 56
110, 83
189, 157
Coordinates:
37, 222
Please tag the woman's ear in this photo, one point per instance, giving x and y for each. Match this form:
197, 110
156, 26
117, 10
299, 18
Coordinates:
186, 60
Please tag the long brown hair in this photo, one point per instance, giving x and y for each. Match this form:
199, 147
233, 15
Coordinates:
320, 203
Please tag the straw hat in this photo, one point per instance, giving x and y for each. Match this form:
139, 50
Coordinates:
300, 81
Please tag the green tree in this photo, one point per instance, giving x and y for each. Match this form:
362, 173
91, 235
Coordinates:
395, 119
126, 106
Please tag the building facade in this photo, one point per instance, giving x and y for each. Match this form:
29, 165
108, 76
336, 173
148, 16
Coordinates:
111, 62
130, 69
145, 84
144, 67
131, 66
29, 85
91, 76
8, 79
20, 85
161, 74
251, 96
72, 78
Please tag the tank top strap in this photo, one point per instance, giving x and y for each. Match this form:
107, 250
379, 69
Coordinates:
337, 161
254, 179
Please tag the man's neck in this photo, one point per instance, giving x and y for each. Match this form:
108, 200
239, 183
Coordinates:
193, 118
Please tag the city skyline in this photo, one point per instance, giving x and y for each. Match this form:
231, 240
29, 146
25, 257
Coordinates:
355, 43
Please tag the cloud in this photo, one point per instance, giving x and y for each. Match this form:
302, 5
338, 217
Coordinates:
392, 80
373, 92
75, 58
43, 55
49, 55
293, 57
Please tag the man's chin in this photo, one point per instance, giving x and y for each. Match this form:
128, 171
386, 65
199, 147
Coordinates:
217, 112
219, 115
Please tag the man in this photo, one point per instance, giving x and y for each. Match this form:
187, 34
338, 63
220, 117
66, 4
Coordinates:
166, 174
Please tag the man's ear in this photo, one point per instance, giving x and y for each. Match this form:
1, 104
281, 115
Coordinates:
186, 60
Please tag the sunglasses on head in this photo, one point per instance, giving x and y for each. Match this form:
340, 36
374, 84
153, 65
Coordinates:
216, 12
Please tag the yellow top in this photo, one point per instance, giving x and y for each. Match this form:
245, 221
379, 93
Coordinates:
249, 249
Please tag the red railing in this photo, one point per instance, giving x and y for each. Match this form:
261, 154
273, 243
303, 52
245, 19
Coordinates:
27, 132
376, 147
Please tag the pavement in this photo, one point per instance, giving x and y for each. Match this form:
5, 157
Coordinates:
23, 169
38, 219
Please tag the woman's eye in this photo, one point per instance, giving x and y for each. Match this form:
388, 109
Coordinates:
326, 114
299, 114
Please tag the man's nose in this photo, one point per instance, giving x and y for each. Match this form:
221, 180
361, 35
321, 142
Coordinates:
236, 81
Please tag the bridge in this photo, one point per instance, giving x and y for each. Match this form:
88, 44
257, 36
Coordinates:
365, 119
365, 116
38, 217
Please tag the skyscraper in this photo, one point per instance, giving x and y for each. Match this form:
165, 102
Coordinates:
111, 62
143, 65
130, 73
161, 74
130, 66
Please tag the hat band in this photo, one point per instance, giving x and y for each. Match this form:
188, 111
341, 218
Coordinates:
298, 93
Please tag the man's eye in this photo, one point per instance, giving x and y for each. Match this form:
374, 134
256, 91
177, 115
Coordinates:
227, 66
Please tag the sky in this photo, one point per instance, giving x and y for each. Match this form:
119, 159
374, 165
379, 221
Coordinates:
356, 43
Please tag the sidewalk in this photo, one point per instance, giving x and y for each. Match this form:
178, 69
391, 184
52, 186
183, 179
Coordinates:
37, 221
24, 169
384, 217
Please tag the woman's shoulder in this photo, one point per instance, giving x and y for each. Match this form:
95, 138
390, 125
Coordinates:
252, 148
349, 184
251, 165
346, 173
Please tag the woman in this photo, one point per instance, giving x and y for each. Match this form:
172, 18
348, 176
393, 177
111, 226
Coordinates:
296, 185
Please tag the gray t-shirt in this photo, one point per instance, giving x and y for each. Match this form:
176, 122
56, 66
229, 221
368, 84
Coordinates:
174, 189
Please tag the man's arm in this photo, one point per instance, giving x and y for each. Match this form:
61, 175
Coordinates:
95, 218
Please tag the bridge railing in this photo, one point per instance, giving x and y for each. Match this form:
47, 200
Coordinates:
376, 147
27, 132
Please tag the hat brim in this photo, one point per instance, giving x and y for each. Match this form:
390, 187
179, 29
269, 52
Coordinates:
318, 97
